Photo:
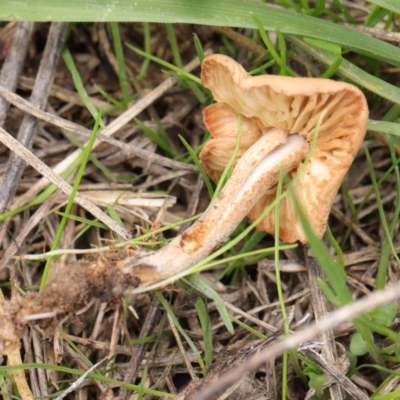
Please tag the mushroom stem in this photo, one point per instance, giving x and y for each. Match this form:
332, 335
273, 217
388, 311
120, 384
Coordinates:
255, 173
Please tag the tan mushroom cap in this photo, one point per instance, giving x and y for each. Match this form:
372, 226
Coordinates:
294, 105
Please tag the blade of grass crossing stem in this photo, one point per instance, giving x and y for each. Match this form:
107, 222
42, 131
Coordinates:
227, 171
255, 238
64, 220
209, 292
119, 53
205, 323
261, 252
147, 49
69, 62
380, 205
199, 48
168, 309
76, 348
166, 64
199, 166
204, 263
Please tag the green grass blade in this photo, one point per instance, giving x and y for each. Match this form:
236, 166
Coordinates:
119, 52
69, 62
248, 328
166, 64
199, 166
208, 291
82, 220
147, 48
189, 341
205, 323
384, 127
174, 44
232, 13
157, 139
199, 48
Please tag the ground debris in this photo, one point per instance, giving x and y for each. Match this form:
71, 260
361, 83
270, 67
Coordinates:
99, 277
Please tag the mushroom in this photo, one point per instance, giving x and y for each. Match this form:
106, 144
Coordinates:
279, 116
294, 105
